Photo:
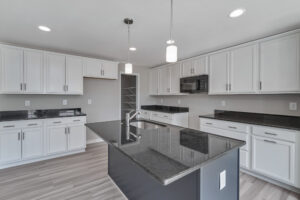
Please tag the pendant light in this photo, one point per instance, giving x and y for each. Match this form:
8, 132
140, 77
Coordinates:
128, 65
171, 51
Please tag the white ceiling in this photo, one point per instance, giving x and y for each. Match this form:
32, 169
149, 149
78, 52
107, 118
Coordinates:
95, 27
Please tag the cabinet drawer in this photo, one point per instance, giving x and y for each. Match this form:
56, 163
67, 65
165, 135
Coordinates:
10, 125
57, 121
274, 133
77, 120
32, 123
231, 126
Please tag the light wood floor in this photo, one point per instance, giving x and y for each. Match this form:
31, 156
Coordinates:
84, 177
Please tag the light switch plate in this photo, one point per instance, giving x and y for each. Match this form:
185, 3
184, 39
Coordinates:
89, 101
161, 100
222, 180
65, 102
179, 101
293, 106
27, 103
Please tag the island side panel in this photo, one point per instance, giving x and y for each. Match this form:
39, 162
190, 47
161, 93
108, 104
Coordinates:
210, 178
136, 184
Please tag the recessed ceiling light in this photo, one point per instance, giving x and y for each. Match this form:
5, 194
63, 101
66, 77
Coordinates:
44, 28
132, 48
237, 12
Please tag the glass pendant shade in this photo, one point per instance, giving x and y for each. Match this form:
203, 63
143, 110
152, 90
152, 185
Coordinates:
171, 54
128, 68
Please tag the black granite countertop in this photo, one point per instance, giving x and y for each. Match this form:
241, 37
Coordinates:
167, 153
165, 109
39, 114
278, 121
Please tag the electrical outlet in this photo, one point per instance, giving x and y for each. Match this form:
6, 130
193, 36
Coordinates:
293, 106
65, 102
27, 103
161, 100
179, 101
89, 101
222, 180
223, 103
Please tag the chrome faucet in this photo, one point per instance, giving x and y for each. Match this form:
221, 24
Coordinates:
128, 117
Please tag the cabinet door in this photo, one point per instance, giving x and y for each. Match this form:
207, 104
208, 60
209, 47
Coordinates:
187, 68
109, 70
55, 73
10, 146
200, 66
279, 65
153, 81
74, 75
57, 139
175, 78
274, 158
77, 137
33, 71
164, 80
92, 68
242, 69
32, 143
218, 73
12, 69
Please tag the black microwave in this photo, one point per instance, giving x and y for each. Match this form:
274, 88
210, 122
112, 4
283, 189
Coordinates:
194, 84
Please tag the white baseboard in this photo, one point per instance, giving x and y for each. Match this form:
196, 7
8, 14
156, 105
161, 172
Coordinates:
94, 141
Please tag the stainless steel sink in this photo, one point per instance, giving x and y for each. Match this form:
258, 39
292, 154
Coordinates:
146, 125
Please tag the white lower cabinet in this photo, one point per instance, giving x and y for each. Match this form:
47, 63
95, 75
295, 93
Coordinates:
77, 137
57, 139
24, 142
10, 146
32, 143
274, 158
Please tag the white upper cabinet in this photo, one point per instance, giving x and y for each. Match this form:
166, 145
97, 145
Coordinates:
153, 81
175, 78
12, 69
55, 73
164, 80
195, 66
33, 71
279, 65
74, 75
243, 69
95, 68
218, 73
92, 68
187, 68
109, 70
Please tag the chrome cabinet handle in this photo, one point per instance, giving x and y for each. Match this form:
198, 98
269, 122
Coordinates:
66, 130
25, 86
268, 133
21, 86
76, 120
23, 135
9, 126
58, 122
69, 131
233, 127
32, 124
208, 123
229, 87
19, 136
270, 141
260, 85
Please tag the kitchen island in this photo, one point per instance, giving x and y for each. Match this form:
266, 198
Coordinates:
149, 161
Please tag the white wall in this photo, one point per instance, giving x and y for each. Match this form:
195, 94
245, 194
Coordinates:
202, 104
105, 96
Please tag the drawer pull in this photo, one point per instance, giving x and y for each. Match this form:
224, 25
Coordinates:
58, 122
273, 134
166, 116
32, 124
232, 127
76, 120
208, 123
9, 126
269, 141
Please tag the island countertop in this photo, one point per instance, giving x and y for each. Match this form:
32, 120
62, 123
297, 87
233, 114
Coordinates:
168, 153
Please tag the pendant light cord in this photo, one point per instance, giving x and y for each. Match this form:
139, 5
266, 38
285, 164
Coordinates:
171, 21
128, 43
